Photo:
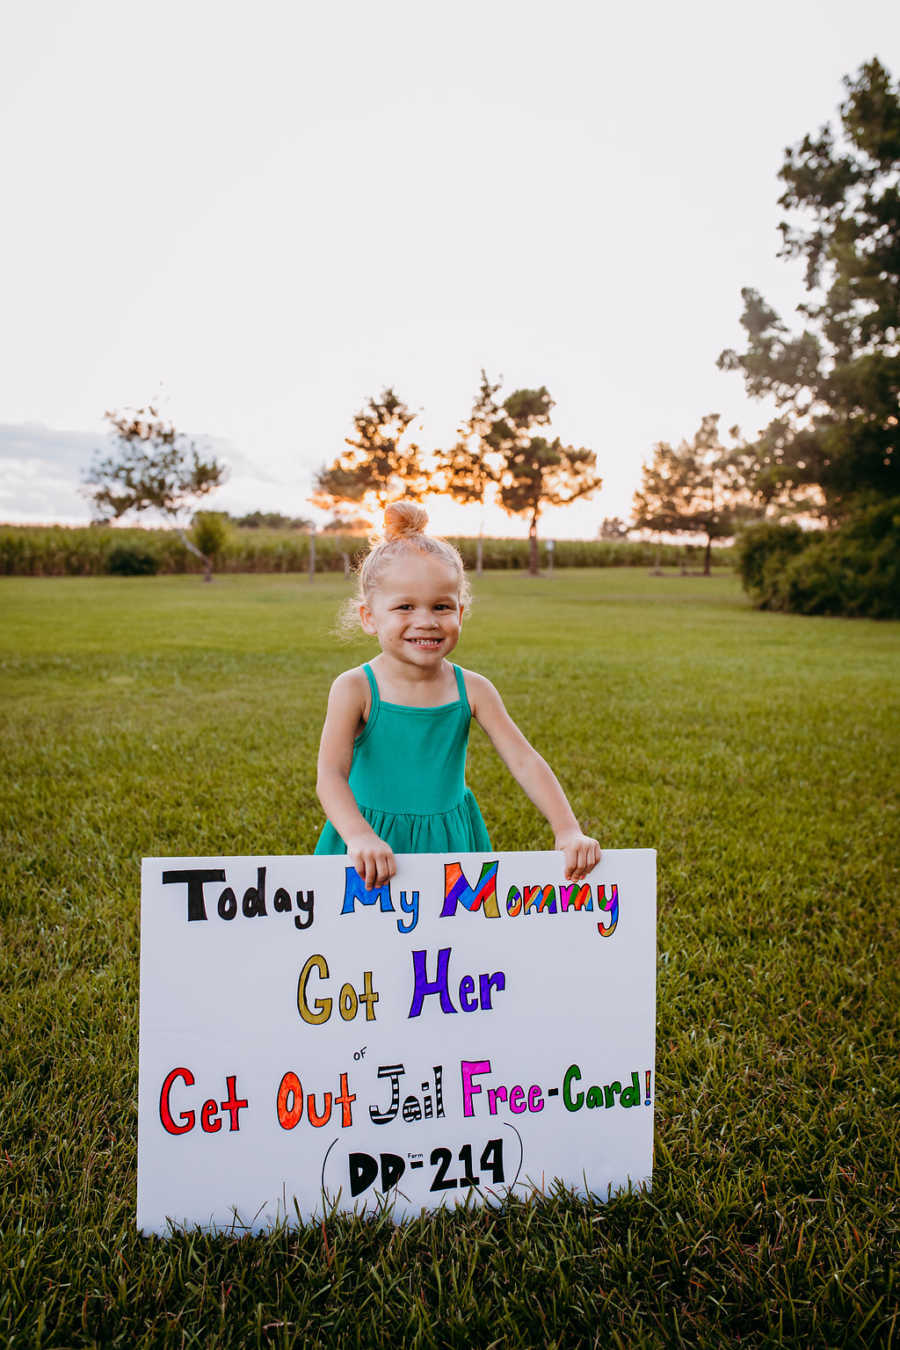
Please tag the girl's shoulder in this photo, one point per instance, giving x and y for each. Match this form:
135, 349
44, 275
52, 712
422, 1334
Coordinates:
351, 687
479, 689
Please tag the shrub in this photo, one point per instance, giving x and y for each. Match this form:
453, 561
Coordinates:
853, 571
127, 560
209, 532
761, 552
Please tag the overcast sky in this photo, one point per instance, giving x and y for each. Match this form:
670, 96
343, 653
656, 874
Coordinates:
270, 212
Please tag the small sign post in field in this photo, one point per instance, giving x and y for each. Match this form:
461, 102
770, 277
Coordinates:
475, 1027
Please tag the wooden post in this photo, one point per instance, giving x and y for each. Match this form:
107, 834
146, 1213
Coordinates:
312, 552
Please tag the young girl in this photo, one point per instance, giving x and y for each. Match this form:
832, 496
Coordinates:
391, 772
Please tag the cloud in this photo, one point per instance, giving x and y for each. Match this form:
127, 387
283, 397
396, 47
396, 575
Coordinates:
42, 469
40, 472
32, 442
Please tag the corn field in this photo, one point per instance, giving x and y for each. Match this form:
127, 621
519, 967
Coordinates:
94, 550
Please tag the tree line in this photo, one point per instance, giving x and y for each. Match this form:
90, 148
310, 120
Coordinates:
501, 446
830, 453
831, 450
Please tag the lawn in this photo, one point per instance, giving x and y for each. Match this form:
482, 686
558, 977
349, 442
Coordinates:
757, 753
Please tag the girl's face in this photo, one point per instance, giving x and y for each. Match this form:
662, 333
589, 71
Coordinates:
415, 610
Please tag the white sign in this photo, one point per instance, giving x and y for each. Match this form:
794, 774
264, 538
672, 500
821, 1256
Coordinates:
478, 1026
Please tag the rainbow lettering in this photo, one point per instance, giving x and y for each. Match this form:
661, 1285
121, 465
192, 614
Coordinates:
483, 895
571, 897
611, 907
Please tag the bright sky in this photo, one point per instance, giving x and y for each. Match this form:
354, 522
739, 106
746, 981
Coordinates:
271, 212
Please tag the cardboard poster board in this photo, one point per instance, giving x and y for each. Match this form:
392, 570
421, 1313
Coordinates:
477, 1026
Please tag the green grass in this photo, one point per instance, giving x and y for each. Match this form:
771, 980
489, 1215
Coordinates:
758, 753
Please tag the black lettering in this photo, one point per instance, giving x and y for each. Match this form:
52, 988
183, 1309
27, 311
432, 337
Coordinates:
194, 878
394, 1073
227, 905
363, 1171
412, 1108
255, 896
306, 908
441, 1158
392, 1169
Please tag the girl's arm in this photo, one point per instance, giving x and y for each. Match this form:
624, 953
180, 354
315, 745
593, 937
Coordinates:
370, 855
534, 776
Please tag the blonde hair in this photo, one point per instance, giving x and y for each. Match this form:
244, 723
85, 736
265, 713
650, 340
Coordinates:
404, 533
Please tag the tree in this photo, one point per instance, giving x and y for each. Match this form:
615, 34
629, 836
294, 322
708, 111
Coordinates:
153, 467
347, 525
536, 472
498, 446
613, 527
465, 470
836, 383
697, 488
272, 520
382, 463
210, 532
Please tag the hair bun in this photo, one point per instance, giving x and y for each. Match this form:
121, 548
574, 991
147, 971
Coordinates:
404, 519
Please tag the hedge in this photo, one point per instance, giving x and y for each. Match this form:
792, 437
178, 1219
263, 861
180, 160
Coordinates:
852, 571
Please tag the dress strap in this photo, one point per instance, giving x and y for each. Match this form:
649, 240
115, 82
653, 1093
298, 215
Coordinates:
373, 711
461, 686
373, 685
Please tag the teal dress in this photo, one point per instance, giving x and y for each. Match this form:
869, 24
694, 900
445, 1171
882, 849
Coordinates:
408, 778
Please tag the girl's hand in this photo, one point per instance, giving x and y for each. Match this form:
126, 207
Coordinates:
582, 854
372, 858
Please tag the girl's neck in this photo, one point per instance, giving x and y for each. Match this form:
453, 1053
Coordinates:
412, 685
